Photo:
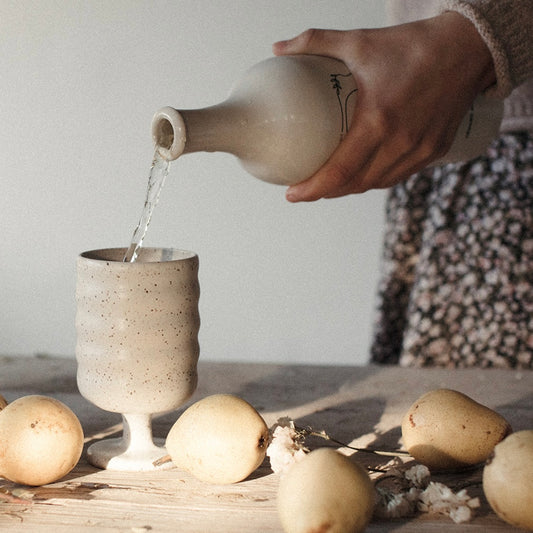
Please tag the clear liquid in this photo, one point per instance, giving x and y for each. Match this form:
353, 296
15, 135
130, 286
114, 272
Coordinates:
156, 180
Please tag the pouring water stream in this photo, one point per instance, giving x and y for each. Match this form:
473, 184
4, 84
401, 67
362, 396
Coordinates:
158, 173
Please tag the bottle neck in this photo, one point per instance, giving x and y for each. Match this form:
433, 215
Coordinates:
215, 128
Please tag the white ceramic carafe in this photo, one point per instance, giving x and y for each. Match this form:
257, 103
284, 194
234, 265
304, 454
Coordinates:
285, 117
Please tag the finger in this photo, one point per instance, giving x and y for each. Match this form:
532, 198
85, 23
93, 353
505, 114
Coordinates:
342, 170
312, 41
432, 144
396, 173
368, 159
391, 165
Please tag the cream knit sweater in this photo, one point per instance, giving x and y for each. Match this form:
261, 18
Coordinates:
506, 26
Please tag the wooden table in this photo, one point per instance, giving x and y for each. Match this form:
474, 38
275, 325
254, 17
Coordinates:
357, 405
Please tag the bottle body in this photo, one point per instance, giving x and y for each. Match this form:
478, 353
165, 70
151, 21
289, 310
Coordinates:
282, 120
478, 128
287, 115
296, 115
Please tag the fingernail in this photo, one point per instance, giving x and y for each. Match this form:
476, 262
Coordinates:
279, 46
291, 195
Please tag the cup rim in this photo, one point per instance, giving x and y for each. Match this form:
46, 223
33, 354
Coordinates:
115, 255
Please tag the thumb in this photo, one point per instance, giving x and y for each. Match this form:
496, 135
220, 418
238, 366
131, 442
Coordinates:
312, 41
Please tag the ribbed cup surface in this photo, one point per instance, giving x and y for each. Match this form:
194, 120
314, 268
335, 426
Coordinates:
137, 329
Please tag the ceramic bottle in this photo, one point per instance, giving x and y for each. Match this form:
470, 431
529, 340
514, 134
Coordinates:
286, 116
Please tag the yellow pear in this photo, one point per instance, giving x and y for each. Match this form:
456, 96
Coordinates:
325, 492
220, 439
508, 479
445, 430
41, 440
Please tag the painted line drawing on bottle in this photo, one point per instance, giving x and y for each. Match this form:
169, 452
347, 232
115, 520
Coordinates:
343, 100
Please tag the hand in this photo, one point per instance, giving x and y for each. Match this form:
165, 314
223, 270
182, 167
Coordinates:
415, 83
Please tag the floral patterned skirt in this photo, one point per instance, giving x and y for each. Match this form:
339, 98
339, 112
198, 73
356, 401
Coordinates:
456, 286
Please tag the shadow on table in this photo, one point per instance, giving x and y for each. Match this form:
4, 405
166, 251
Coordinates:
41, 374
347, 421
291, 386
519, 413
285, 389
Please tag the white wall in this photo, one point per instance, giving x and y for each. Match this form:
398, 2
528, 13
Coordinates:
79, 83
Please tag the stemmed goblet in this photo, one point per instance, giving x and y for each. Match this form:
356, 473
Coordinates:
137, 344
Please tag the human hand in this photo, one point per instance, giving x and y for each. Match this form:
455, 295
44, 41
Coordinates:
415, 83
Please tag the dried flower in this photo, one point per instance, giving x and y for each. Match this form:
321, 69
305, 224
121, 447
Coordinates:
392, 504
438, 498
409, 488
286, 445
418, 476
413, 491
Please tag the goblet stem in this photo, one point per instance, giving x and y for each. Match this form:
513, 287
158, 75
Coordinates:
134, 451
137, 432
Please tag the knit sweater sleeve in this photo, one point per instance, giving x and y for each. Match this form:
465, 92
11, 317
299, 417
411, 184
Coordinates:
506, 26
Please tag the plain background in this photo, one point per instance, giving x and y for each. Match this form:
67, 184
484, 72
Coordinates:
80, 81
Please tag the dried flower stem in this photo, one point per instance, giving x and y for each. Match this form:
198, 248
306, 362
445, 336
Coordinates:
308, 431
162, 460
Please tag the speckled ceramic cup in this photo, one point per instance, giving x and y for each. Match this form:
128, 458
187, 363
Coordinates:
137, 344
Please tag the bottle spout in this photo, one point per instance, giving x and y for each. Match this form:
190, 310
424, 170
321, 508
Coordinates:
169, 133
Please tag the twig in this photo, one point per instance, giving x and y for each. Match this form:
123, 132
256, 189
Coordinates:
323, 435
162, 460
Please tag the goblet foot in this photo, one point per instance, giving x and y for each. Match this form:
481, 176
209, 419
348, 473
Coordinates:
115, 454
135, 451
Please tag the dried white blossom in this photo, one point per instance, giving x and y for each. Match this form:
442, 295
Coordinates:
413, 491
438, 498
418, 476
396, 504
286, 445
